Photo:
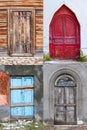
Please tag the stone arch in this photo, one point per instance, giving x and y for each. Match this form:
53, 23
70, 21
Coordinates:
53, 78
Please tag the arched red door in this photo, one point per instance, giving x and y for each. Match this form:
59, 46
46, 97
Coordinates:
64, 35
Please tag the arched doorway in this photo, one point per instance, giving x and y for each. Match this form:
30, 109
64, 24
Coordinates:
65, 100
64, 35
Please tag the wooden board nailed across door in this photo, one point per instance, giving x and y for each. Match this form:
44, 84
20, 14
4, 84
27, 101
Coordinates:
22, 96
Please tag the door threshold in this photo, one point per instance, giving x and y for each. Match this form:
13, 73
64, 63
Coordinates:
21, 55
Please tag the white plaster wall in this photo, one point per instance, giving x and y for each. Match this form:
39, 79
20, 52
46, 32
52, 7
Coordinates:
79, 7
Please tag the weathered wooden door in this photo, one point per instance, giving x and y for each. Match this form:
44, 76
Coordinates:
21, 29
65, 101
22, 96
64, 35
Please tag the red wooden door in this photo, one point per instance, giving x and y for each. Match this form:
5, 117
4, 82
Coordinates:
64, 35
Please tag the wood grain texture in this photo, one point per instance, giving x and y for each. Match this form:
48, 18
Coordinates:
6, 5
39, 28
3, 27
38, 4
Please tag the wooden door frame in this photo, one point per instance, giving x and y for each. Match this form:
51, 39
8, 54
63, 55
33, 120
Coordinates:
32, 33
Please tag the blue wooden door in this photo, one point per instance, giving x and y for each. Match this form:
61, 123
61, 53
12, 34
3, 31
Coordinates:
22, 96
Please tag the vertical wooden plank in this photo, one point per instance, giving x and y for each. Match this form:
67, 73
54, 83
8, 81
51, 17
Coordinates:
16, 31
60, 95
59, 115
28, 80
9, 32
16, 81
13, 33
33, 24
28, 31
20, 49
70, 95
17, 111
29, 95
29, 111
70, 115
25, 30
16, 96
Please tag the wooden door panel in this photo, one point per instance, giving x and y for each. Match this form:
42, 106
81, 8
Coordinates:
16, 96
29, 111
59, 95
22, 81
26, 81
22, 111
70, 28
71, 50
58, 40
16, 81
28, 95
64, 31
17, 111
71, 41
59, 51
22, 97
65, 100
70, 115
59, 115
69, 94
21, 32
58, 27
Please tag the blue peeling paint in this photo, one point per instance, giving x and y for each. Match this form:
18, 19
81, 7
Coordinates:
20, 96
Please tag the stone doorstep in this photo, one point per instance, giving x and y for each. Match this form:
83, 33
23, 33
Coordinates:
66, 127
20, 60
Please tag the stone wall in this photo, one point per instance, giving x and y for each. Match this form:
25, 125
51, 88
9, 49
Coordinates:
21, 70
21, 60
77, 70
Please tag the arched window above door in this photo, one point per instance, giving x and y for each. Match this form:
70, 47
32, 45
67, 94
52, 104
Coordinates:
65, 80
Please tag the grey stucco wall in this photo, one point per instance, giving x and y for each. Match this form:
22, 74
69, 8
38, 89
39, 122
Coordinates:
36, 71
77, 70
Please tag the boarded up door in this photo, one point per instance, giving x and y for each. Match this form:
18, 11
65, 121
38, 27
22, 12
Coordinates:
21, 29
22, 96
64, 35
65, 101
